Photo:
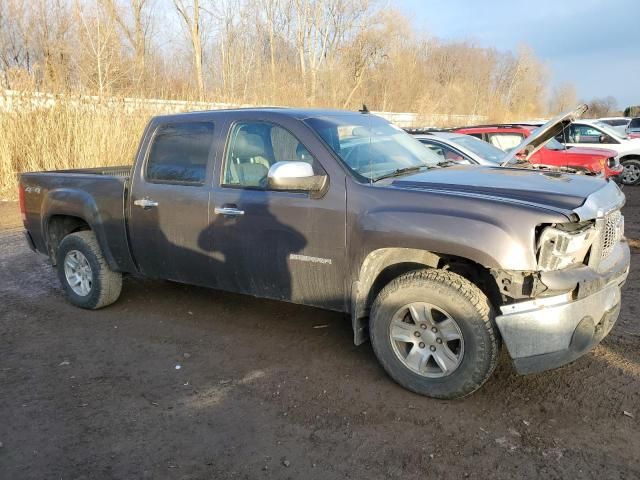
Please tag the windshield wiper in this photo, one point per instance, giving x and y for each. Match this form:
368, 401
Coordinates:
446, 163
400, 171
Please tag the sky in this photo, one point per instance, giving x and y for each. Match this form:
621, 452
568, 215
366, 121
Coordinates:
594, 44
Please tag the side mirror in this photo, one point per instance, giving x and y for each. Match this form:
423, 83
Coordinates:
603, 138
295, 176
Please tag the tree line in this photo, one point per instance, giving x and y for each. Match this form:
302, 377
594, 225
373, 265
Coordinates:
324, 53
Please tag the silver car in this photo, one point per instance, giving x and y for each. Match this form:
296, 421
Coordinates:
459, 148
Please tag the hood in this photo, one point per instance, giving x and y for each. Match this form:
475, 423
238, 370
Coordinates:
543, 134
599, 152
551, 190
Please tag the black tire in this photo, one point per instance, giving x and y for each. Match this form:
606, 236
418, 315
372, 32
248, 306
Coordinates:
470, 309
635, 163
106, 284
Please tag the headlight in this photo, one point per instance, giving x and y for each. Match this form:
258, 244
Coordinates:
563, 245
612, 162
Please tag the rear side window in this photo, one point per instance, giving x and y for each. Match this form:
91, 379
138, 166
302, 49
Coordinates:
505, 141
180, 153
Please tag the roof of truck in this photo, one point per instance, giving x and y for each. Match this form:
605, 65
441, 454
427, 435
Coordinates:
299, 113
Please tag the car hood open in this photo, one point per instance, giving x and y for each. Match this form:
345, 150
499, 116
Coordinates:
543, 188
543, 134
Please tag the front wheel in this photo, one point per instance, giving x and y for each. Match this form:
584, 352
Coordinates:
631, 173
87, 280
434, 334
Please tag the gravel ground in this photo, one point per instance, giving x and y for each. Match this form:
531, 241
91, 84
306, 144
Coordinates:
182, 382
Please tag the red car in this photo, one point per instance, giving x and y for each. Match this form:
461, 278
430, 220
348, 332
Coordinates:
506, 137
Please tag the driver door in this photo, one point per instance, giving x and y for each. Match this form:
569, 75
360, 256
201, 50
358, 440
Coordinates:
286, 245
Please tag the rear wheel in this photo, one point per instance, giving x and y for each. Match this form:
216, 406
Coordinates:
87, 280
631, 173
433, 332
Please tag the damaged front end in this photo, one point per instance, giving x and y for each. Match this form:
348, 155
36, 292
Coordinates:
557, 313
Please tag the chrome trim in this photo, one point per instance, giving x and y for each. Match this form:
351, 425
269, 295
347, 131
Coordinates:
145, 203
228, 211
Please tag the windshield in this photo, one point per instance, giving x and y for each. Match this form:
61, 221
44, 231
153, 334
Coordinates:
370, 146
479, 147
634, 125
612, 132
554, 144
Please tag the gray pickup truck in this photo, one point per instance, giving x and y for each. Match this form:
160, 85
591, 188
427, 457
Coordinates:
436, 264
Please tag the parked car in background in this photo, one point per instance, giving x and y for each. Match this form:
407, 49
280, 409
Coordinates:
590, 133
589, 160
633, 129
437, 264
460, 148
617, 123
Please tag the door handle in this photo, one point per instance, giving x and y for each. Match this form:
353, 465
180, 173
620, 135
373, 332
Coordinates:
145, 203
233, 211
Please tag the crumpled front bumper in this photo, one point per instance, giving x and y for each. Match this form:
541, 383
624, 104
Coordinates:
549, 332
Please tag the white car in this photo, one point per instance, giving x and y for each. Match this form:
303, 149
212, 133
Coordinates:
592, 133
617, 123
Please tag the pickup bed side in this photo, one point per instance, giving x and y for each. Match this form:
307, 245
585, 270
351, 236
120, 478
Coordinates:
59, 203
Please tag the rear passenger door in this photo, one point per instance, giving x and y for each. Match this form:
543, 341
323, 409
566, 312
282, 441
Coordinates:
278, 244
168, 208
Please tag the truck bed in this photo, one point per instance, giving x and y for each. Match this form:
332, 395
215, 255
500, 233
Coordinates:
96, 195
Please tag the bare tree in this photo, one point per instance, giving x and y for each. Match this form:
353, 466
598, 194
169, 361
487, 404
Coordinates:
191, 15
101, 62
563, 97
135, 20
603, 107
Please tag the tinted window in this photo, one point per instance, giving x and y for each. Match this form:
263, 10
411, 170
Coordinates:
635, 123
254, 147
445, 152
180, 153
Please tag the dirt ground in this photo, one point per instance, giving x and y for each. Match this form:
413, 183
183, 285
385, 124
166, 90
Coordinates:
263, 392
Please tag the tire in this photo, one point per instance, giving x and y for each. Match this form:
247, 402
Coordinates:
444, 294
631, 173
104, 285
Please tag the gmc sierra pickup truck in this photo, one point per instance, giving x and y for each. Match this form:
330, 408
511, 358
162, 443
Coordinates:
437, 264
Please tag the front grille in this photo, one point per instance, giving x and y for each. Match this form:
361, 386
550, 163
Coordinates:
611, 233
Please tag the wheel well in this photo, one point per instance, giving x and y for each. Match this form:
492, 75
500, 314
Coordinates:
58, 227
472, 271
387, 275
477, 274
630, 157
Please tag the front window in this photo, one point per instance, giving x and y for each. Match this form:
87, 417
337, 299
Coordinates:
634, 125
482, 149
612, 132
370, 146
254, 147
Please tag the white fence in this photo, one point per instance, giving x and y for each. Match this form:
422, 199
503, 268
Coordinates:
11, 100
